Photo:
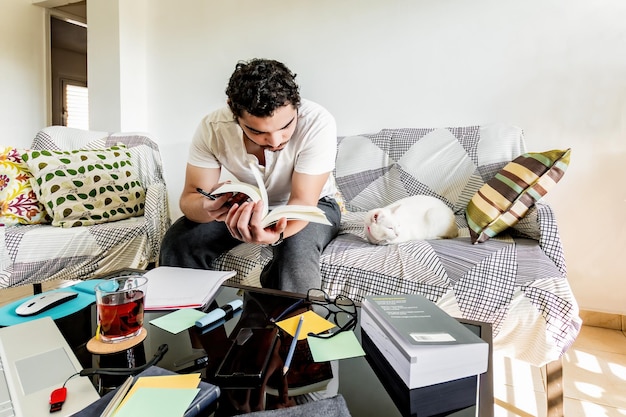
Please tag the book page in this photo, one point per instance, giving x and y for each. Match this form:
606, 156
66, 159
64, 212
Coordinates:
261, 185
296, 212
291, 212
239, 187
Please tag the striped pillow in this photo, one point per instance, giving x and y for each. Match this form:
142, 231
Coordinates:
506, 198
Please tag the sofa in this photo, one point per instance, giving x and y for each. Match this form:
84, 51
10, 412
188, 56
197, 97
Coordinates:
78, 204
514, 278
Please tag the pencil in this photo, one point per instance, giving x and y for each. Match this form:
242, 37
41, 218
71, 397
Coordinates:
292, 348
117, 398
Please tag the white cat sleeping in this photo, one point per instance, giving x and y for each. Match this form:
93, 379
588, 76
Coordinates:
418, 217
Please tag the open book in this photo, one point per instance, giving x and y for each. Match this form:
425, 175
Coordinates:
291, 212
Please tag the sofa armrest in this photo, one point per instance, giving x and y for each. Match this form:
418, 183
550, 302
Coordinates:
550, 240
157, 218
540, 224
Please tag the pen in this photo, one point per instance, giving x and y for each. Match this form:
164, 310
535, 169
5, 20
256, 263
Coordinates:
287, 310
219, 313
213, 196
292, 348
117, 398
204, 193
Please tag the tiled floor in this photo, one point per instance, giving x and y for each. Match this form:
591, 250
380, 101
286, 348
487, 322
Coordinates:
594, 379
594, 375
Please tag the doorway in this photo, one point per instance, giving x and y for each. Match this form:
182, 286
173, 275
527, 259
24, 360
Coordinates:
68, 66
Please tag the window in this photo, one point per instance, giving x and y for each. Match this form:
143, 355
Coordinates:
75, 104
68, 60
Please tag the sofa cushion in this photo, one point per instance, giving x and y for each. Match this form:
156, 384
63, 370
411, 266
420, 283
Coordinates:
18, 202
86, 187
374, 170
507, 197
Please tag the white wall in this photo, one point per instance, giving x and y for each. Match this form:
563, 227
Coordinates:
118, 76
104, 67
556, 68
23, 97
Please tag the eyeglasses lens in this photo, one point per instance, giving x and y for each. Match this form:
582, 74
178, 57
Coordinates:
341, 311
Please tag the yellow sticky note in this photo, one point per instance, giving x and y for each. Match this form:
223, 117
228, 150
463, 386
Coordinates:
313, 323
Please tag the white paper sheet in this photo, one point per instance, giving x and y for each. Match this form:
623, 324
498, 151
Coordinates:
173, 288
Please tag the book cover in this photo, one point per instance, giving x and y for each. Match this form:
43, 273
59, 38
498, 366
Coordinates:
290, 212
418, 321
425, 345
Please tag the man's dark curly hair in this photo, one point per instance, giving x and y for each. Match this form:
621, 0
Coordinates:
260, 86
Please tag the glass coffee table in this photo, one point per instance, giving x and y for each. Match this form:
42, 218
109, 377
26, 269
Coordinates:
364, 386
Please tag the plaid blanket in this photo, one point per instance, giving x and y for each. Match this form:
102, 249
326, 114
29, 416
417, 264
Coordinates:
35, 253
515, 281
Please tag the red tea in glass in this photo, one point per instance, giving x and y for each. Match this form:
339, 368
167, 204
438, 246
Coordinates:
119, 303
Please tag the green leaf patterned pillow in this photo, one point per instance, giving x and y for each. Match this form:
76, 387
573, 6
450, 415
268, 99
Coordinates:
85, 187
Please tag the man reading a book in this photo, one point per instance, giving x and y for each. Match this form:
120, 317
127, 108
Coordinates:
291, 143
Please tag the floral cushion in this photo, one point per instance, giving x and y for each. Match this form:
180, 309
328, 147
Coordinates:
507, 197
85, 187
18, 202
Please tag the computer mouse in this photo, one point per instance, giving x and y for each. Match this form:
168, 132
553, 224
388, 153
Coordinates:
44, 302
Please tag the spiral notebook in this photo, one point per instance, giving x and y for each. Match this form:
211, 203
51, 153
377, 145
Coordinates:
173, 288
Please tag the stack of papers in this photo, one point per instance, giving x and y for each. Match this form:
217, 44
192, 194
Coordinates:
168, 395
172, 288
341, 346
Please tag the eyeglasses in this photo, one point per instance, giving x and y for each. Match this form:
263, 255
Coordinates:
341, 311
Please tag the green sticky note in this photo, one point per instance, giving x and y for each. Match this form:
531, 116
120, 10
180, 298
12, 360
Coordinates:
178, 320
158, 402
344, 345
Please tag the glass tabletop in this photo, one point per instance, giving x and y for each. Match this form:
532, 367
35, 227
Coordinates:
353, 378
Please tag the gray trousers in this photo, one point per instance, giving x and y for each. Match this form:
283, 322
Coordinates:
295, 266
